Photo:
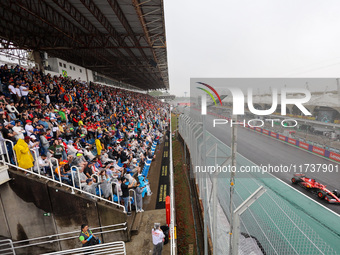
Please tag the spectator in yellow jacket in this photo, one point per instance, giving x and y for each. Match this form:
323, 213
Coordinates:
24, 156
99, 145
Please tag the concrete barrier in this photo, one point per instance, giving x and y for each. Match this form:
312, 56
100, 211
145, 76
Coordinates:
32, 207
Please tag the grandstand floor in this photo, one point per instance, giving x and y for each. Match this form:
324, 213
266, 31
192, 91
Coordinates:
143, 241
164, 182
157, 179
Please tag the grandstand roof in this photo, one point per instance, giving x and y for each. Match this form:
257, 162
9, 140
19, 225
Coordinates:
122, 39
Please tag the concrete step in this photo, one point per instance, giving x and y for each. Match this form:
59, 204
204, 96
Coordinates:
136, 224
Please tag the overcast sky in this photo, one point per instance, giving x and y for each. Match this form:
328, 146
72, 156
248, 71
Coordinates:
251, 38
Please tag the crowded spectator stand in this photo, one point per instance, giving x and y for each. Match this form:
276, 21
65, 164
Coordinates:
92, 137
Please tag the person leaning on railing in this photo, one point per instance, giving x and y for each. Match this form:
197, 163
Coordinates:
90, 187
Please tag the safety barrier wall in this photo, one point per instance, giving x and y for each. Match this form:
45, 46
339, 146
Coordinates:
300, 144
8, 246
281, 221
33, 207
5, 158
113, 248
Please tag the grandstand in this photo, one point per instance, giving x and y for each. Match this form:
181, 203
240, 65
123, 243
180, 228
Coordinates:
81, 141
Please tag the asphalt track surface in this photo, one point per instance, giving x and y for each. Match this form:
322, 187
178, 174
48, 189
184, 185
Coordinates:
261, 149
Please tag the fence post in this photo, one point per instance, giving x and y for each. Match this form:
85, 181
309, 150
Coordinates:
73, 184
214, 204
205, 197
232, 178
51, 166
235, 236
78, 176
117, 192
135, 198
36, 162
57, 168
1, 151
13, 151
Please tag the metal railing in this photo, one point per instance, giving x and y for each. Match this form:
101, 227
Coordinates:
113, 248
118, 196
50, 239
8, 247
172, 229
12, 146
78, 175
135, 199
59, 182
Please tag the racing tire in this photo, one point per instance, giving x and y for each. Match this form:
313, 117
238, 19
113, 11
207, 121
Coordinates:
295, 180
321, 194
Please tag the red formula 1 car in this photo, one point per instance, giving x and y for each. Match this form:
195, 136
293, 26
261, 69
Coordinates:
316, 187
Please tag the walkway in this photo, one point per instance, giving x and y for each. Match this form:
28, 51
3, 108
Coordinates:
154, 205
143, 241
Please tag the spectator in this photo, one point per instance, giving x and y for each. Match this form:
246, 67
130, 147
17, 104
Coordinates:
22, 151
134, 166
89, 170
157, 239
18, 130
139, 197
36, 135
90, 187
88, 153
64, 171
105, 157
125, 193
12, 91
44, 142
8, 132
18, 93
29, 127
43, 122
33, 144
24, 92
54, 127
81, 178
113, 154
44, 165
99, 145
125, 123
86, 237
106, 184
79, 160
56, 149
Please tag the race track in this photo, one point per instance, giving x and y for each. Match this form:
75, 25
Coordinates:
262, 149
